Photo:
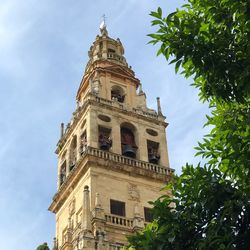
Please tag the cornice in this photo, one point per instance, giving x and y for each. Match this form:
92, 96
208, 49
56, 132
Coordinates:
93, 158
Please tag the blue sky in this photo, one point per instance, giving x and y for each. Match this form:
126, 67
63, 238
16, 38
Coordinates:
43, 52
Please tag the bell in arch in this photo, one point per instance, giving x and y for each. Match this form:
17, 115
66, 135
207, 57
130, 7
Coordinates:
128, 143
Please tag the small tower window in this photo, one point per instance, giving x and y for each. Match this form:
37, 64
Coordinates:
117, 207
148, 215
153, 154
128, 145
117, 94
111, 51
101, 45
83, 142
62, 173
72, 156
105, 141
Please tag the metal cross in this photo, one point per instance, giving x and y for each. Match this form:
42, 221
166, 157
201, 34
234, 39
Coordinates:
104, 19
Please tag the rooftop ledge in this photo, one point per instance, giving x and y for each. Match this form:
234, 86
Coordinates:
122, 107
96, 157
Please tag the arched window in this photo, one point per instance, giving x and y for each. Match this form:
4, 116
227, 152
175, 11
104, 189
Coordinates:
62, 176
117, 93
111, 51
83, 142
153, 154
128, 144
72, 153
105, 141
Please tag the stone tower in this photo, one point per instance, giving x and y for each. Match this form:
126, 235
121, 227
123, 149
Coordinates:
112, 156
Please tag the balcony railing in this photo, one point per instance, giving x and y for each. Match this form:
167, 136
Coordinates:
138, 164
129, 161
119, 220
116, 246
114, 56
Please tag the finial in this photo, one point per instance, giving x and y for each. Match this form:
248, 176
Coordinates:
159, 106
140, 89
103, 27
62, 129
104, 19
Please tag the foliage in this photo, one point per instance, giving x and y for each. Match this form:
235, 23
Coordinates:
44, 246
211, 212
210, 40
210, 203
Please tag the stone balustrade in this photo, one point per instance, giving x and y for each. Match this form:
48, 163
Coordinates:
129, 161
115, 247
153, 168
118, 220
116, 57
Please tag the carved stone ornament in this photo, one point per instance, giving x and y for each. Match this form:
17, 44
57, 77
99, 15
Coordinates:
133, 192
95, 86
72, 207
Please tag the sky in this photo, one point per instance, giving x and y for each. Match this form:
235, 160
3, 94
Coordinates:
43, 53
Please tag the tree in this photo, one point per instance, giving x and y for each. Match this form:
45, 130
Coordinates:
44, 246
209, 40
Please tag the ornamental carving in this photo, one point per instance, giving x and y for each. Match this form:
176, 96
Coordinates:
133, 192
72, 206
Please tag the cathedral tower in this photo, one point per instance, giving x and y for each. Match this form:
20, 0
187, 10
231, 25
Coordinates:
112, 156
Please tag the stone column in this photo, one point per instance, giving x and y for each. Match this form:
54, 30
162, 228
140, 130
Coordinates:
116, 137
142, 144
98, 223
163, 150
78, 152
92, 130
98, 220
86, 239
86, 220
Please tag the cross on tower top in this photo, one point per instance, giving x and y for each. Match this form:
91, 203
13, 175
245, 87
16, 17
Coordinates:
103, 25
104, 19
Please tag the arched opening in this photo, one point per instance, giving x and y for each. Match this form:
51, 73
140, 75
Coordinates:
153, 152
105, 141
128, 143
62, 176
83, 142
111, 50
72, 153
117, 94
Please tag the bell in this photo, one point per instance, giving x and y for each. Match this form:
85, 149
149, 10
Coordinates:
153, 158
104, 145
129, 151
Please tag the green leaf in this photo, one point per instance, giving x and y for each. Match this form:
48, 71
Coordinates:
177, 66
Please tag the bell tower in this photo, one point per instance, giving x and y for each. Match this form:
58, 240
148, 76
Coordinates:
112, 155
